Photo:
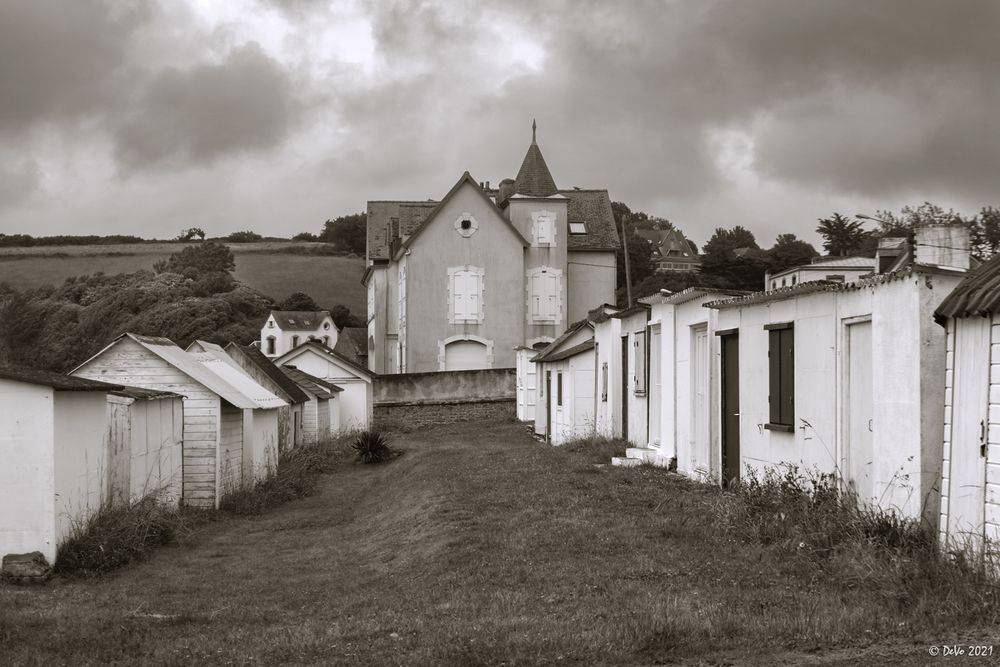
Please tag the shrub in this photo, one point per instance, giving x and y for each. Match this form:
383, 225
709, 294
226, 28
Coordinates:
372, 446
245, 236
118, 535
296, 476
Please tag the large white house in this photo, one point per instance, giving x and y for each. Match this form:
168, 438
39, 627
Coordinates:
458, 284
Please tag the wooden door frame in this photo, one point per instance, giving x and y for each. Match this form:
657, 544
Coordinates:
844, 396
624, 395
725, 336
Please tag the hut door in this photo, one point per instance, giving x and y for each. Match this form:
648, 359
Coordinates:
860, 416
699, 397
730, 408
119, 450
967, 477
624, 407
655, 387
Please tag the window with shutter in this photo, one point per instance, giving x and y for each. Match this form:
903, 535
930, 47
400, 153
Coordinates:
639, 344
781, 377
465, 295
545, 295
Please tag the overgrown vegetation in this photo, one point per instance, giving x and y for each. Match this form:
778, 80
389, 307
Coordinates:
803, 516
372, 446
119, 535
596, 448
296, 476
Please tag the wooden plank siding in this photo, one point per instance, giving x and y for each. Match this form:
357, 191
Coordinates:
131, 364
310, 420
231, 449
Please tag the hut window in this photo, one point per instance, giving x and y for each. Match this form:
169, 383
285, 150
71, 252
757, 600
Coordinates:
295, 341
270, 344
559, 389
781, 376
604, 382
639, 345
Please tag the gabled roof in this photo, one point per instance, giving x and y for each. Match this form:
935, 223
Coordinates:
165, 349
568, 352
214, 358
321, 388
689, 294
299, 320
57, 381
466, 179
352, 343
534, 178
553, 347
320, 348
254, 356
977, 294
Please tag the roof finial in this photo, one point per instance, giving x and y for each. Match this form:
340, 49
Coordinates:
534, 126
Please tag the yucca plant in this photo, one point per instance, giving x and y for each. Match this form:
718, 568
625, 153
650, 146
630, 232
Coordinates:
372, 447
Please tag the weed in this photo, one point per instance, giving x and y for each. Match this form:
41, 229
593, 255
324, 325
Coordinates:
596, 448
118, 535
372, 446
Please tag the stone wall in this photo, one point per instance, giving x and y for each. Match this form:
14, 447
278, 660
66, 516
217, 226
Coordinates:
408, 416
444, 386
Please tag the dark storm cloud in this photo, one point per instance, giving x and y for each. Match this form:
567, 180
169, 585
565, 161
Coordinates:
59, 60
194, 116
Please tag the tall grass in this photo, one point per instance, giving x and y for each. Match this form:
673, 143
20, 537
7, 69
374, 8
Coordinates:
804, 515
118, 535
596, 448
296, 476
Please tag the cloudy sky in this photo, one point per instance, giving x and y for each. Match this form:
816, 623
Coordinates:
144, 117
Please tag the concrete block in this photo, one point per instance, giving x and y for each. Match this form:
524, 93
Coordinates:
30, 568
625, 462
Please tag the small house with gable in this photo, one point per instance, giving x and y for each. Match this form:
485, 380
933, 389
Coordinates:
321, 413
287, 329
318, 360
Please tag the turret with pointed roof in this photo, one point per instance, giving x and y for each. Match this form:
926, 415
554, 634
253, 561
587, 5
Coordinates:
533, 178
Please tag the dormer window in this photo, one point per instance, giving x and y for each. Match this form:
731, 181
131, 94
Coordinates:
270, 324
577, 228
326, 326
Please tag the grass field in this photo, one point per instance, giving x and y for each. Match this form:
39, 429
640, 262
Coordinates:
268, 267
479, 546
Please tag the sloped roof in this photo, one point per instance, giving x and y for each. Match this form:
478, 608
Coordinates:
311, 383
592, 207
326, 350
299, 320
553, 347
167, 350
216, 360
978, 294
352, 343
568, 352
691, 293
141, 393
268, 368
380, 222
813, 286
57, 381
534, 178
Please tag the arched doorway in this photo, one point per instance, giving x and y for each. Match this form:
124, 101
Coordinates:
465, 355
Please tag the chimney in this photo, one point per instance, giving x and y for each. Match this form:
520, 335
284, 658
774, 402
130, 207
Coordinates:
505, 191
945, 246
888, 253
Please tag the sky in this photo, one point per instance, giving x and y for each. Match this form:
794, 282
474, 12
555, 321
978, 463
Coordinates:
146, 117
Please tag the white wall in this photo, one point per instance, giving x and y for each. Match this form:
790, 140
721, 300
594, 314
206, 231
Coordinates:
264, 455
637, 402
355, 400
575, 417
149, 436
80, 457
608, 351
27, 476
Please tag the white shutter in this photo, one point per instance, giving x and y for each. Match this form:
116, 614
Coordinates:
551, 294
472, 295
458, 295
536, 294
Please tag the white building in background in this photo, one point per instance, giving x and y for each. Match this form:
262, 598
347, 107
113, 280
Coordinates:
285, 330
833, 269
357, 398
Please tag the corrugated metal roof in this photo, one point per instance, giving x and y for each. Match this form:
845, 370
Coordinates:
813, 286
978, 294
216, 360
145, 394
254, 356
689, 294
311, 383
167, 350
553, 347
57, 381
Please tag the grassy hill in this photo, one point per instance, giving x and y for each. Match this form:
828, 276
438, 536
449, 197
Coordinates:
275, 268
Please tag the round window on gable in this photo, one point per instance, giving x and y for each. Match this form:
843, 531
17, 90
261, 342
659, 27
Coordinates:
466, 225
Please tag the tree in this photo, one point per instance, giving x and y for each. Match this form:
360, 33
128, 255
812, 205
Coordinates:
194, 261
305, 236
348, 232
245, 236
640, 252
985, 233
189, 234
789, 251
342, 317
298, 301
733, 257
841, 236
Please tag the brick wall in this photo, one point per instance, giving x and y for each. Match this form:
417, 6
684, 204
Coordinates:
408, 416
